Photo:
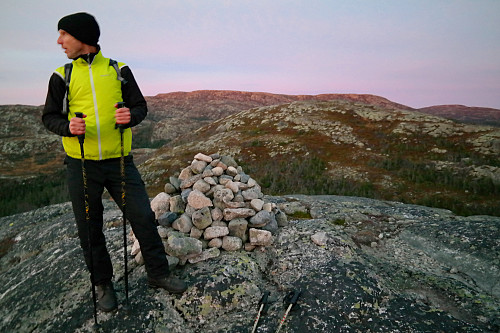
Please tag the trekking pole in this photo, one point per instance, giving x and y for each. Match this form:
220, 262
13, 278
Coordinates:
264, 305
122, 172
81, 140
291, 300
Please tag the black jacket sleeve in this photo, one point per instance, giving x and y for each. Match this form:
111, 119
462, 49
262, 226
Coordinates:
52, 116
133, 98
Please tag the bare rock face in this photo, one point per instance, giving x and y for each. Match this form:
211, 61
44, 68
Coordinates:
421, 270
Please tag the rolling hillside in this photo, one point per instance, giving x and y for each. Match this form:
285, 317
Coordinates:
349, 144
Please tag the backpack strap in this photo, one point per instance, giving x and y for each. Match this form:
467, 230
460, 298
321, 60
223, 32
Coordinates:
119, 76
67, 77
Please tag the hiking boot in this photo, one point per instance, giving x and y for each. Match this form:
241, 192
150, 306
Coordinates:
106, 298
169, 283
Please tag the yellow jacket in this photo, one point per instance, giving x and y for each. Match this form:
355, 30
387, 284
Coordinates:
94, 90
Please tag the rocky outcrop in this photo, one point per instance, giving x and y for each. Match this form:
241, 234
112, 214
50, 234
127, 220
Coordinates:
26, 148
361, 265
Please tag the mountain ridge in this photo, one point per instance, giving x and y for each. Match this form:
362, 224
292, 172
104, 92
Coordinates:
466, 114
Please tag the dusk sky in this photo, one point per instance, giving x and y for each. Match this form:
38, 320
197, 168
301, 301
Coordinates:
414, 52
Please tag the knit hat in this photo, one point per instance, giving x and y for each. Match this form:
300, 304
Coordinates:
82, 26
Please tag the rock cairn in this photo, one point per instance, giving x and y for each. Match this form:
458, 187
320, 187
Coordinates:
212, 205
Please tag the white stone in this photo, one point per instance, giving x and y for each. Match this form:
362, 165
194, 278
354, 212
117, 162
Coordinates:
198, 200
183, 224
160, 204
267, 207
217, 214
198, 166
210, 181
233, 186
231, 243
217, 171
320, 238
202, 186
203, 157
233, 213
214, 232
139, 259
257, 204
186, 173
215, 242
196, 233
251, 182
136, 248
231, 171
260, 237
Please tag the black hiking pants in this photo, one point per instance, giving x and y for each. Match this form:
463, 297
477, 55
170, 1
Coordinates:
106, 174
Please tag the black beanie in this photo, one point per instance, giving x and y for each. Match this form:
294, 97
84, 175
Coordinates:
82, 26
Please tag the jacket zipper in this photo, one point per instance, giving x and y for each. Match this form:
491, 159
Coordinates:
96, 111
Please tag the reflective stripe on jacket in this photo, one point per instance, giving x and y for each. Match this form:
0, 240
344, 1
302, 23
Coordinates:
94, 90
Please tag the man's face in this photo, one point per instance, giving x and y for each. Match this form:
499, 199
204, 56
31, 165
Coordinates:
72, 46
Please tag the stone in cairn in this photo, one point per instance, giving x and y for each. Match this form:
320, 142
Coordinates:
211, 206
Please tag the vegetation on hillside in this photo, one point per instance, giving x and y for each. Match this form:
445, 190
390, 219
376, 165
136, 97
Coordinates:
20, 196
418, 184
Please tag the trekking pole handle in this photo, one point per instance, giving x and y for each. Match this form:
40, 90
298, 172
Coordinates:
292, 297
264, 299
120, 105
265, 302
81, 137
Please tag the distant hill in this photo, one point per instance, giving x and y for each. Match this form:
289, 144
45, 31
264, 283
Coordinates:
465, 114
173, 113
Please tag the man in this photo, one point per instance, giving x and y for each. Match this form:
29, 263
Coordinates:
94, 90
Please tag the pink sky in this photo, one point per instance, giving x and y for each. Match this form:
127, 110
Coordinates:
414, 52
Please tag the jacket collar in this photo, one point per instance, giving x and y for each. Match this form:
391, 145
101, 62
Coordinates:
89, 57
